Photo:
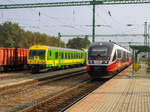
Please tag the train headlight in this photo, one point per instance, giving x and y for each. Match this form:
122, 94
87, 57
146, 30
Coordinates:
90, 61
30, 62
42, 62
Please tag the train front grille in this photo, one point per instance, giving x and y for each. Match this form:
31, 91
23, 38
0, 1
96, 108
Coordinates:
98, 69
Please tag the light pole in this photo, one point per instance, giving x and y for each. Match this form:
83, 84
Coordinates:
148, 34
59, 40
93, 22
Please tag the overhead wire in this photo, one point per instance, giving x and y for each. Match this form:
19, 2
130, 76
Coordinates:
108, 12
110, 15
54, 18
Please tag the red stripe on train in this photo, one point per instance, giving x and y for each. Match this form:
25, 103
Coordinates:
116, 65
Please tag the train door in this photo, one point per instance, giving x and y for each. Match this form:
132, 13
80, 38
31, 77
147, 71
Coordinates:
117, 57
53, 55
49, 57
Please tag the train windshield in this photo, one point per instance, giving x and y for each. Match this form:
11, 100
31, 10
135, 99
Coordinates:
40, 53
95, 52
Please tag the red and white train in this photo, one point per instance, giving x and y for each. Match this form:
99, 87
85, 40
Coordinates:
104, 59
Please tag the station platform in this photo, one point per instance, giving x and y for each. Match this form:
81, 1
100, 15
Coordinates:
126, 92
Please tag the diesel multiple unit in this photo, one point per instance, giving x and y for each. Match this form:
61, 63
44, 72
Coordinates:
41, 57
105, 59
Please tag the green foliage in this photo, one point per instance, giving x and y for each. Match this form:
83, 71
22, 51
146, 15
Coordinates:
78, 43
11, 35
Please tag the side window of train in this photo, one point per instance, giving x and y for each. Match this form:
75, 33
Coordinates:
62, 55
56, 55
68, 56
124, 56
65, 55
118, 53
114, 58
74, 55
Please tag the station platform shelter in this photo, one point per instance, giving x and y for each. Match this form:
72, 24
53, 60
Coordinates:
126, 92
136, 60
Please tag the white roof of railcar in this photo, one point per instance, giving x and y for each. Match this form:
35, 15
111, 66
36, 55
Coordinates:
58, 48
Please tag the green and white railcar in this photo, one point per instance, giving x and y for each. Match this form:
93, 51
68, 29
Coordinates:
41, 57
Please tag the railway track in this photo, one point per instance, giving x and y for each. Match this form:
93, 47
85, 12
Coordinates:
33, 78
24, 73
62, 101
45, 88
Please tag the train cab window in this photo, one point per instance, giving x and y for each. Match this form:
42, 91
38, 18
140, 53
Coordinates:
95, 52
74, 56
114, 58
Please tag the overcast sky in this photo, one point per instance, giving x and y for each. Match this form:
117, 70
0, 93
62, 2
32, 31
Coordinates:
74, 20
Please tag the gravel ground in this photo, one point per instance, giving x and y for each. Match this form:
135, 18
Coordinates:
33, 93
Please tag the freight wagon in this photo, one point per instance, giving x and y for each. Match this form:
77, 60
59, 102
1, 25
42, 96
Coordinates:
13, 58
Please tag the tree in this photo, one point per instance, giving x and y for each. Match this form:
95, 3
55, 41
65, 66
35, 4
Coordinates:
11, 35
78, 43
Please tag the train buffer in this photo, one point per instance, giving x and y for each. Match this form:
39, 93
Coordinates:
126, 92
